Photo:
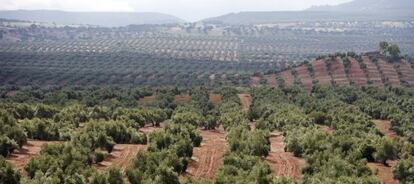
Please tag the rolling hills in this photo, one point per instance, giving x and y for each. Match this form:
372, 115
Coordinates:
357, 10
343, 70
107, 19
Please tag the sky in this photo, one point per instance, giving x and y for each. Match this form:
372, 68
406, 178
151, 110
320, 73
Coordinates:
190, 10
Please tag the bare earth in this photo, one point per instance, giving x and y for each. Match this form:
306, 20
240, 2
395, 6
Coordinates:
208, 157
215, 99
325, 128
283, 163
121, 156
245, 100
180, 99
149, 128
22, 156
384, 173
384, 127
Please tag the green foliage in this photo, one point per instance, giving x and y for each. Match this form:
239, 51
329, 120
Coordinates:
404, 170
42, 129
12, 135
240, 168
8, 175
168, 154
118, 131
241, 140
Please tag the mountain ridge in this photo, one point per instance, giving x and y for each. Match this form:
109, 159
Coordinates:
358, 10
105, 19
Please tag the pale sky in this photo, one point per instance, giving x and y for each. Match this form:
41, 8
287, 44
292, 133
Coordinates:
190, 10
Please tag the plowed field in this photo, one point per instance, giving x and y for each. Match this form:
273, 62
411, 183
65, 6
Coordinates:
208, 157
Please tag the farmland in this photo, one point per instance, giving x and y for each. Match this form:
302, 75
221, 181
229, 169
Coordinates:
282, 142
191, 55
174, 104
361, 70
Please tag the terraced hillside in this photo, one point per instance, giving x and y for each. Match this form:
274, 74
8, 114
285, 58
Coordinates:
344, 70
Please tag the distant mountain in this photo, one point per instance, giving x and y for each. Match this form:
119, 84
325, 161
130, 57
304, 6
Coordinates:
369, 5
358, 10
108, 19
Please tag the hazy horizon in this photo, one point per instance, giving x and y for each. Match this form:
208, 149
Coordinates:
200, 9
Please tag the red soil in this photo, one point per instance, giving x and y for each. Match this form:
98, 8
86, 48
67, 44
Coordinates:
271, 80
321, 73
373, 73
22, 156
215, 99
149, 128
384, 173
121, 156
283, 163
325, 128
338, 72
384, 127
254, 81
208, 157
180, 99
389, 72
245, 101
305, 77
288, 77
147, 99
356, 74
407, 72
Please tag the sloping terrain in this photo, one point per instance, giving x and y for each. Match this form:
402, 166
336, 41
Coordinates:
356, 74
304, 76
91, 18
121, 156
338, 72
373, 72
367, 71
245, 101
22, 156
388, 72
407, 72
384, 173
321, 72
208, 157
283, 163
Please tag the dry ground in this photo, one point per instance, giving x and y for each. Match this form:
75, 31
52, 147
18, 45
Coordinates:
245, 101
384, 127
22, 156
325, 128
180, 99
208, 157
283, 163
215, 99
147, 99
121, 156
384, 173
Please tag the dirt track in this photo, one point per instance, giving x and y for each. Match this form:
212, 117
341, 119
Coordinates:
384, 173
208, 157
22, 156
325, 128
384, 127
283, 163
245, 101
215, 99
121, 156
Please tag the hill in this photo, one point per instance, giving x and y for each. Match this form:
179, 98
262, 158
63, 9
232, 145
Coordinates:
368, 5
358, 10
346, 69
108, 19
